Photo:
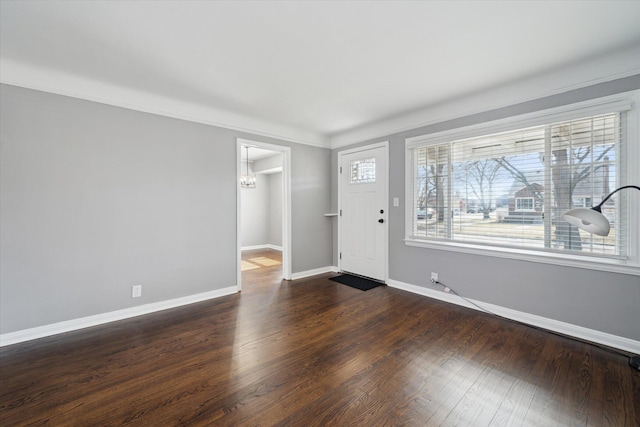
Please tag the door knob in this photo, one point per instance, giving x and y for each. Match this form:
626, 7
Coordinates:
381, 220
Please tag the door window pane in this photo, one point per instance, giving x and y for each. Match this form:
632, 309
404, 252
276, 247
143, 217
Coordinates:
363, 171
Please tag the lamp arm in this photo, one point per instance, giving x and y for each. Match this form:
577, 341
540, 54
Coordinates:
597, 208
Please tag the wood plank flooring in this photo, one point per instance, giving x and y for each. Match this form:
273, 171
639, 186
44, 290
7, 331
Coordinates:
313, 352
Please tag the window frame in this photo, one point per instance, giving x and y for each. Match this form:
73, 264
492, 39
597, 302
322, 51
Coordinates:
528, 199
627, 101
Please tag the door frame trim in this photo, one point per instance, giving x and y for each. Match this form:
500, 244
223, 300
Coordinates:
286, 206
385, 145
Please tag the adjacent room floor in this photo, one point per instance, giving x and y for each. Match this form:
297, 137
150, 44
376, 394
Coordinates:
261, 268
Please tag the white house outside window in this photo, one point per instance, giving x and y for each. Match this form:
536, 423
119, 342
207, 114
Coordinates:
509, 188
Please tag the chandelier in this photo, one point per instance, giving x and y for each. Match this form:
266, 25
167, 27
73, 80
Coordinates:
246, 180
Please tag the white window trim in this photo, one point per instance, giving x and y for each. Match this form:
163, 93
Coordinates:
525, 210
629, 101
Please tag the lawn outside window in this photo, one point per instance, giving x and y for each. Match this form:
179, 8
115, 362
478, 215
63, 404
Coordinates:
501, 188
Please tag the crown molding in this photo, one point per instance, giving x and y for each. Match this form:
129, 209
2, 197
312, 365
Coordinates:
15, 73
616, 65
601, 69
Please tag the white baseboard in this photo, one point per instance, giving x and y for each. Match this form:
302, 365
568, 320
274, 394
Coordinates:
542, 322
267, 246
580, 332
99, 319
315, 271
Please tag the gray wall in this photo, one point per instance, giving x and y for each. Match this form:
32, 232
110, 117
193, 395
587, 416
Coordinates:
262, 211
275, 209
255, 210
311, 199
607, 302
95, 199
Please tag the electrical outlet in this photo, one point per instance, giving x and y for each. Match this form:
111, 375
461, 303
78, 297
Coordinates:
434, 277
136, 291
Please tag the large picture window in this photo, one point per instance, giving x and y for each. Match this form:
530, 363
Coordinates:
509, 189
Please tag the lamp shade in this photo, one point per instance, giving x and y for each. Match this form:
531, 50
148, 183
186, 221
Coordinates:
589, 220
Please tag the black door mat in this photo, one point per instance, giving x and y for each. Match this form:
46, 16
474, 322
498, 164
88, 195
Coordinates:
357, 282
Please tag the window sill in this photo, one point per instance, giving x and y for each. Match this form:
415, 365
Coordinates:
591, 263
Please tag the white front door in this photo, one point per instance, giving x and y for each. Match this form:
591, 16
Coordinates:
363, 212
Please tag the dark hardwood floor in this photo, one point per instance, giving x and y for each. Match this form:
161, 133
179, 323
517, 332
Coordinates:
313, 352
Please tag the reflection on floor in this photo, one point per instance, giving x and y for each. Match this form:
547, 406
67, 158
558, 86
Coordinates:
246, 265
261, 267
258, 262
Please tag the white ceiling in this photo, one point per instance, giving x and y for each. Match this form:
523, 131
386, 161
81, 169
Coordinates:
313, 71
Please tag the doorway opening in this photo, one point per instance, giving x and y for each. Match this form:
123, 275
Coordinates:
263, 214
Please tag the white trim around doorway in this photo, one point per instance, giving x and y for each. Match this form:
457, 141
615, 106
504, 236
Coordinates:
286, 205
